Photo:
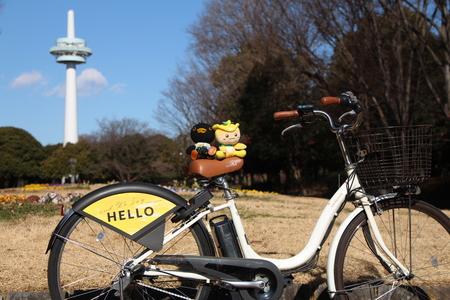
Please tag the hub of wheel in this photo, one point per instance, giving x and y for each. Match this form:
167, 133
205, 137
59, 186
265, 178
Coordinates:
271, 288
128, 274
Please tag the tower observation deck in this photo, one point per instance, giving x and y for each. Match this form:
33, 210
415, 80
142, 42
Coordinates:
71, 51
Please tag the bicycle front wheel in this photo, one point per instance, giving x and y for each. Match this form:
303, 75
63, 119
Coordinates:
87, 260
417, 234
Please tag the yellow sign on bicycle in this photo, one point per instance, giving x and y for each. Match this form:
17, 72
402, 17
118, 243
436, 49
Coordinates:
129, 212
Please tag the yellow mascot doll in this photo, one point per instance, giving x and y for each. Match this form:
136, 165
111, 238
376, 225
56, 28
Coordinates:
227, 135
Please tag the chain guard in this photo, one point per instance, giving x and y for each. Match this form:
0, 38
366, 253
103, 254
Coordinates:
237, 273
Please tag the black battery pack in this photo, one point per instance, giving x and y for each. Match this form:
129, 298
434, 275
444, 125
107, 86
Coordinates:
226, 236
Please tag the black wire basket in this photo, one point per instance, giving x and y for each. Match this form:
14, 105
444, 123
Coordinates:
393, 156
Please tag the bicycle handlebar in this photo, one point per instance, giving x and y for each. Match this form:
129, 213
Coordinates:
285, 114
330, 100
345, 100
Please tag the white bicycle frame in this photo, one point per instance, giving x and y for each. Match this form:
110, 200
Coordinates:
327, 217
314, 243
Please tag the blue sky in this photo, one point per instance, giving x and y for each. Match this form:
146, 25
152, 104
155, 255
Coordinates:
136, 46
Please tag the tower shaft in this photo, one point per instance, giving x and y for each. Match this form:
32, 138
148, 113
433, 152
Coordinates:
71, 111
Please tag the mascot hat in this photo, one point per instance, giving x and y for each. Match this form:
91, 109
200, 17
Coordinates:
226, 126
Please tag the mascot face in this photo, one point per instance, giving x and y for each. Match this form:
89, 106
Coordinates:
227, 133
202, 132
227, 137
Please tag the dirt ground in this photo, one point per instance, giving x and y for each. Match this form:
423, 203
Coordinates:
276, 226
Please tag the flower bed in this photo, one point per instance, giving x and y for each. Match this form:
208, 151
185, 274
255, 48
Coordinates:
244, 192
47, 198
46, 186
12, 198
57, 198
35, 187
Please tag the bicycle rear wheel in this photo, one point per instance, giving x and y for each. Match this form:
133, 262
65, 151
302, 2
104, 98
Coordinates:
88, 258
420, 241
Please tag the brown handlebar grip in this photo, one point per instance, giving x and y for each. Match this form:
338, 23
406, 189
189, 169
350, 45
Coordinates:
330, 100
285, 114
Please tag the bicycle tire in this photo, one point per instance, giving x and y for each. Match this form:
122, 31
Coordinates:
86, 260
360, 275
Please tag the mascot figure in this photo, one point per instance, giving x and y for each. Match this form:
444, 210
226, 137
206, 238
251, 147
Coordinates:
203, 135
228, 135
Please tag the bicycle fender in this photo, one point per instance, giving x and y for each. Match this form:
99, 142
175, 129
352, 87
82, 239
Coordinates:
133, 209
58, 229
333, 248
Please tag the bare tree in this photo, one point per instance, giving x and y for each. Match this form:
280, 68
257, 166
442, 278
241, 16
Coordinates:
125, 149
430, 18
371, 53
190, 99
229, 39
378, 48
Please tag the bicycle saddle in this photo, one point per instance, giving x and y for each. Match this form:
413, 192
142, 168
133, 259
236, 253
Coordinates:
213, 168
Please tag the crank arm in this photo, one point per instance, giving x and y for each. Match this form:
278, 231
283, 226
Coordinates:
177, 273
228, 284
259, 284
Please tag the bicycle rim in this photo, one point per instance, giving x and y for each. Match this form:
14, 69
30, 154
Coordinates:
88, 258
420, 241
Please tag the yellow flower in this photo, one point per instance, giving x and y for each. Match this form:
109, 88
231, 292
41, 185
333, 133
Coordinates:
36, 187
11, 198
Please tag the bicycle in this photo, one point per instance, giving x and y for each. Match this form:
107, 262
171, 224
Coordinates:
141, 241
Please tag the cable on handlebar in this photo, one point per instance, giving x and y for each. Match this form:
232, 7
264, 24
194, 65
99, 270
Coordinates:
345, 99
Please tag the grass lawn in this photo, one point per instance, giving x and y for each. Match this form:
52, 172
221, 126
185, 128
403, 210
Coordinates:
276, 225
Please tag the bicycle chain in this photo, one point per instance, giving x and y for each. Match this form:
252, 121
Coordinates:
164, 291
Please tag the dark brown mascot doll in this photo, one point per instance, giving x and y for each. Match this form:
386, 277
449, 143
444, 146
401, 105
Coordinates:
203, 135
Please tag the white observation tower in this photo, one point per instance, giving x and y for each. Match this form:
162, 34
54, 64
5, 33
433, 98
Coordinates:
71, 51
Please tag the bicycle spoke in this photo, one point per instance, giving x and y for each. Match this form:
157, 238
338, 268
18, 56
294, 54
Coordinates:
91, 262
359, 273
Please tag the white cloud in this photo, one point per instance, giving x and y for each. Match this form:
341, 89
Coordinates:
59, 90
91, 83
118, 88
28, 79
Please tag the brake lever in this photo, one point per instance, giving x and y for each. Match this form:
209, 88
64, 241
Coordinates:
300, 125
352, 112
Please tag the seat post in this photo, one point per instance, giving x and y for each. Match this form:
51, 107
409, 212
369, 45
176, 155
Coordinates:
223, 183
